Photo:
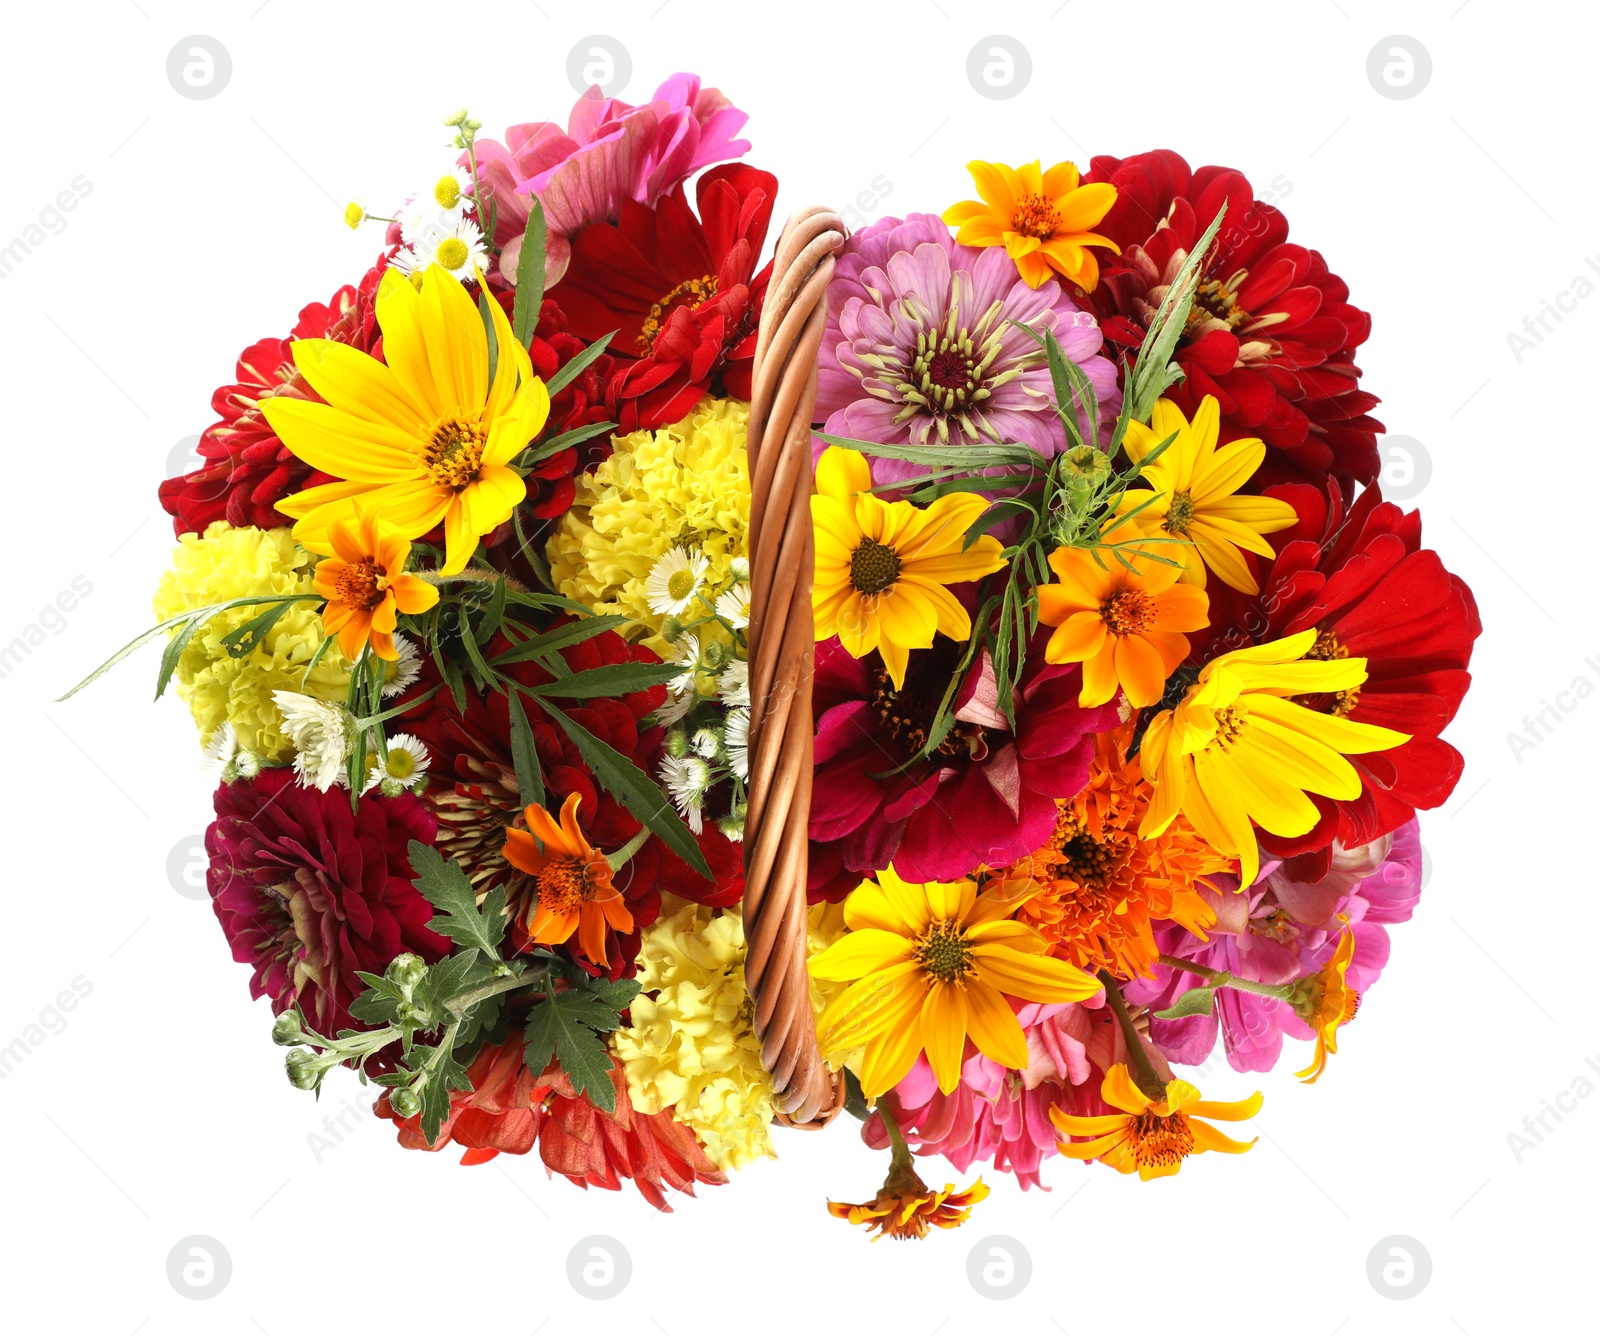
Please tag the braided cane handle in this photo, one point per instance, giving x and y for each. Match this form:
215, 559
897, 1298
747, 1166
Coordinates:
781, 637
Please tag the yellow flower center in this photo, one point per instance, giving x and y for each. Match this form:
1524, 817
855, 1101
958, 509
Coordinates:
1129, 612
360, 585
401, 764
680, 584
1214, 300
691, 292
1180, 513
452, 253
943, 951
447, 192
1157, 1140
453, 453
874, 567
1035, 216
1229, 722
565, 885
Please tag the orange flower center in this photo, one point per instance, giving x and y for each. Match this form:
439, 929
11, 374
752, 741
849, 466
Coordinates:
1157, 1140
943, 951
1352, 1004
1338, 703
1036, 217
691, 292
360, 585
1129, 612
1229, 723
453, 452
874, 567
567, 884
1214, 300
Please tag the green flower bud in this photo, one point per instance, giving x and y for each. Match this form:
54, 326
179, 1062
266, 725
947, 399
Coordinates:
407, 970
714, 655
303, 1068
671, 629
456, 117
287, 1029
405, 1101
677, 743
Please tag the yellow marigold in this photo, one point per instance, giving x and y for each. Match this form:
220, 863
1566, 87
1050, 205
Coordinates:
687, 485
226, 563
692, 1047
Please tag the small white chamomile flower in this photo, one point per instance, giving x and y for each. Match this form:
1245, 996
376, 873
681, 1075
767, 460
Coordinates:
320, 734
674, 581
733, 606
405, 768
739, 568
705, 743
736, 742
457, 249
733, 685
221, 747
403, 672
687, 779
681, 690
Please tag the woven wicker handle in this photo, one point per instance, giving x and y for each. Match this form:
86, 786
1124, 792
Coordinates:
781, 637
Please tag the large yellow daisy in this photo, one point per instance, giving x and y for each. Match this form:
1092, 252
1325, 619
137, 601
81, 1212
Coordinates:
422, 437
882, 566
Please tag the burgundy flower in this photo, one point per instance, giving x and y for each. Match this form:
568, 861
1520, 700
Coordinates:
987, 796
309, 891
580, 403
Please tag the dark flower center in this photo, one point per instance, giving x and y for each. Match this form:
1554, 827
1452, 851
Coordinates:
1080, 857
1180, 514
942, 950
1214, 300
906, 715
691, 292
948, 371
874, 567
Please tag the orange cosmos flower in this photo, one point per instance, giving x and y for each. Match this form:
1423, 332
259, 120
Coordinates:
1123, 622
573, 879
1041, 218
1151, 1137
365, 583
906, 1207
1325, 1002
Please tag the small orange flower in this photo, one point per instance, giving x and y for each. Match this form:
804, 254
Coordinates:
1123, 625
1151, 1137
1326, 1003
906, 1207
573, 880
365, 583
1041, 218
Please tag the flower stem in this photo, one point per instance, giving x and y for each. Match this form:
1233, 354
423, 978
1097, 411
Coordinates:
897, 1142
472, 575
1222, 979
1144, 1072
620, 858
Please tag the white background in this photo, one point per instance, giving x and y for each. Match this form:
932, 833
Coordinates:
161, 1111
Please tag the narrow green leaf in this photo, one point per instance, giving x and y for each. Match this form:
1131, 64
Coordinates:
530, 277
611, 679
577, 365
174, 652
524, 754
559, 637
537, 454
248, 635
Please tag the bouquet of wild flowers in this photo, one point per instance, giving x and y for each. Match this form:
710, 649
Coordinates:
1127, 681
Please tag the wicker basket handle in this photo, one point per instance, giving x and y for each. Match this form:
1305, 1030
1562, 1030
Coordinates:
781, 638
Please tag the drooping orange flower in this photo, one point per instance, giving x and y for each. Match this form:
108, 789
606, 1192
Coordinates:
575, 892
1152, 1137
1101, 886
366, 585
1325, 1002
1041, 218
1121, 613
906, 1207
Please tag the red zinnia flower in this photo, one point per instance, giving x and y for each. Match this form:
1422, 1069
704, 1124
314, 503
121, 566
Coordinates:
680, 292
248, 469
308, 891
1372, 591
987, 796
510, 1109
1272, 333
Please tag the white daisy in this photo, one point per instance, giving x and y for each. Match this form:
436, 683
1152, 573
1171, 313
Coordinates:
733, 606
320, 736
681, 691
406, 768
736, 742
687, 778
733, 686
674, 581
705, 743
456, 249
221, 748
739, 568
404, 671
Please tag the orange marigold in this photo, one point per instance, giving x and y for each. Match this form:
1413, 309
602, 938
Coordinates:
906, 1207
1102, 886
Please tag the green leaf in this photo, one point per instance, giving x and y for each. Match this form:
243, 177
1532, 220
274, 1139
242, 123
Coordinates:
578, 364
458, 973
1196, 1002
560, 637
567, 1026
174, 652
494, 614
1152, 369
524, 754
487, 317
610, 679
618, 994
994, 516
635, 790
444, 1075
530, 277
536, 454
245, 637
946, 456
445, 886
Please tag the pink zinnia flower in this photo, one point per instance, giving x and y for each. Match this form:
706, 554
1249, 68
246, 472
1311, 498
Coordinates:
609, 151
1283, 930
920, 348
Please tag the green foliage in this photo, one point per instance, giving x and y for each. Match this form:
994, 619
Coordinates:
570, 1026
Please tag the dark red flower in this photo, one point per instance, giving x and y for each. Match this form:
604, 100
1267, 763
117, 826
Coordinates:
1370, 589
509, 1109
988, 796
1272, 334
580, 403
248, 470
308, 891
680, 292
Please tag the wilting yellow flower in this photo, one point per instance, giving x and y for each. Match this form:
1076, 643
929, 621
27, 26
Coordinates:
1189, 494
1238, 749
685, 486
365, 582
226, 563
932, 965
906, 1207
1325, 1002
1041, 218
1152, 1137
882, 566
423, 436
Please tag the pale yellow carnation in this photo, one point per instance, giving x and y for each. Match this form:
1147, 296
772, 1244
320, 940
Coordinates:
226, 563
687, 485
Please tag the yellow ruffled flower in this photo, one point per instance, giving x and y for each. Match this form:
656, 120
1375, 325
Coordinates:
692, 1047
226, 563
686, 485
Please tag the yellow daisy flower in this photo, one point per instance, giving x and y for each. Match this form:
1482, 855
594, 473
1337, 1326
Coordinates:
1239, 750
882, 566
423, 437
1041, 218
932, 965
1191, 495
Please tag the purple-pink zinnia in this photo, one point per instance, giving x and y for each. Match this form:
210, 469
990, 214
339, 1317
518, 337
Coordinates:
921, 347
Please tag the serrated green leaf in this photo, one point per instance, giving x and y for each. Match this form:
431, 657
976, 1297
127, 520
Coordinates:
617, 994
445, 1074
566, 1027
1195, 1002
530, 276
445, 886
